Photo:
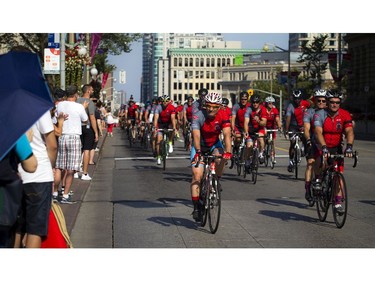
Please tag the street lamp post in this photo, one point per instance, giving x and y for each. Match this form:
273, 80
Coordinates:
288, 51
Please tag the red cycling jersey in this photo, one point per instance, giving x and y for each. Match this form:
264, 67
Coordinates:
131, 111
333, 127
166, 113
239, 112
297, 113
210, 128
271, 118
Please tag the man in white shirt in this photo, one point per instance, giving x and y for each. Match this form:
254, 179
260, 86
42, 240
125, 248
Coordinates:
69, 151
37, 186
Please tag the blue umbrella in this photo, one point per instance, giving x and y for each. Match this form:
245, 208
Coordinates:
24, 96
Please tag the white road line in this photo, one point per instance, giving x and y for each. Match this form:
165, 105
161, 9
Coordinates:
171, 157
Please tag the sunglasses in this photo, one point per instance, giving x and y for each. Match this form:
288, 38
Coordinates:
334, 102
244, 99
321, 101
256, 102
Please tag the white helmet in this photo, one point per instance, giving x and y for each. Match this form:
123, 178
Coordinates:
320, 93
213, 98
270, 99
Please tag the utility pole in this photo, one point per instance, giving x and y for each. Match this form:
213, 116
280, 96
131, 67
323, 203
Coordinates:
62, 61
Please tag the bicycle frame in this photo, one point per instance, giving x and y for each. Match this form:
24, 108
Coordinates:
296, 138
210, 193
164, 146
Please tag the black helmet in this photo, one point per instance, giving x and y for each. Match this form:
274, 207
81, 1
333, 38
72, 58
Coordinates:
202, 92
225, 101
255, 98
244, 94
334, 94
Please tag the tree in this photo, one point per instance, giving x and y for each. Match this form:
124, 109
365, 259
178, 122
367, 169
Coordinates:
111, 43
312, 56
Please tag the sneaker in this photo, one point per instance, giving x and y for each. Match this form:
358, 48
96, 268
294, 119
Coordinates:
170, 148
68, 200
55, 198
97, 149
76, 176
197, 215
339, 209
290, 167
158, 161
86, 177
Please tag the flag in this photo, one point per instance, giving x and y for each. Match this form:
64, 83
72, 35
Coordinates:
104, 79
95, 40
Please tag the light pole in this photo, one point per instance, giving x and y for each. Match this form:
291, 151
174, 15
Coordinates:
265, 47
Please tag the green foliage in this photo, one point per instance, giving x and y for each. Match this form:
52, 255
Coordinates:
312, 56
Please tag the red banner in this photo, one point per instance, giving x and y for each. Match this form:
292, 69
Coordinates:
104, 79
95, 40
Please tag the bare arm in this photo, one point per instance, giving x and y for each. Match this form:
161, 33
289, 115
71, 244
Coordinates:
227, 139
51, 145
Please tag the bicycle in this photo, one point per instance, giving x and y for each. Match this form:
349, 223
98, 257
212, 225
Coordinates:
210, 193
187, 136
164, 146
332, 181
145, 140
254, 159
238, 157
269, 151
297, 150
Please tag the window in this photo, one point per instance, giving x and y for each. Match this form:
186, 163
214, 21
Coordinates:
202, 62
212, 86
208, 62
186, 62
175, 86
180, 62
207, 74
212, 62
197, 62
218, 62
175, 62
191, 62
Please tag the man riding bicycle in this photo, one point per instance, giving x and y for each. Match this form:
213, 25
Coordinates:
330, 126
273, 121
255, 122
294, 121
164, 118
312, 151
208, 123
131, 117
238, 119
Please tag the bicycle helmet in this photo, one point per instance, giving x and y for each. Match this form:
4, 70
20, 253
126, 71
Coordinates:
334, 94
244, 95
255, 98
297, 94
202, 92
225, 101
320, 93
270, 99
213, 98
165, 98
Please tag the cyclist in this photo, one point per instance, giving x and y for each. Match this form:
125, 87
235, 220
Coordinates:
273, 120
199, 103
179, 117
121, 116
330, 125
312, 152
131, 116
155, 104
294, 121
207, 126
226, 106
187, 115
238, 119
256, 117
164, 118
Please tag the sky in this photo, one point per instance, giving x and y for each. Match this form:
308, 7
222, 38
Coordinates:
132, 62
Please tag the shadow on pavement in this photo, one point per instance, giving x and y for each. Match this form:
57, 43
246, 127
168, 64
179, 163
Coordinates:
278, 202
287, 216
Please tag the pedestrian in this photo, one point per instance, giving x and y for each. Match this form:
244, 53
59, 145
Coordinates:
89, 130
37, 187
110, 122
21, 153
69, 147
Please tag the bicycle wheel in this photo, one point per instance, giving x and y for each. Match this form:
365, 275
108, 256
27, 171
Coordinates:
268, 155
214, 206
254, 166
272, 156
339, 183
297, 156
239, 160
203, 201
130, 139
163, 153
323, 198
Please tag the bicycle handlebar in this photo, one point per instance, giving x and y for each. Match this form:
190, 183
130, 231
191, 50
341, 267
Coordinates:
335, 156
206, 157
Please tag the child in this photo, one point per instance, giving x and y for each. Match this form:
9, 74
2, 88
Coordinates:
110, 122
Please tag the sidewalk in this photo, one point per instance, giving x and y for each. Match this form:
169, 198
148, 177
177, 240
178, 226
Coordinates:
80, 187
